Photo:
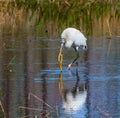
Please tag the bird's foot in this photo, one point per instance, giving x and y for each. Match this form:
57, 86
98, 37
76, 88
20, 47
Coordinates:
69, 66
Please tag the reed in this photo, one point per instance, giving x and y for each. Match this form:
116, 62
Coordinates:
80, 14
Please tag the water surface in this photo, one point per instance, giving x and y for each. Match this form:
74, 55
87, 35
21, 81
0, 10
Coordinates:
31, 84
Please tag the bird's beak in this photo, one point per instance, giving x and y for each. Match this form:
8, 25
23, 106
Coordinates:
62, 45
62, 42
60, 57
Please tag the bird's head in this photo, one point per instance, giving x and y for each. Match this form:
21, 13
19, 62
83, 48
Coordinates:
83, 47
66, 43
62, 42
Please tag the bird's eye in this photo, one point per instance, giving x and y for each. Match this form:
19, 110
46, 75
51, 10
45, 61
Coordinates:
85, 47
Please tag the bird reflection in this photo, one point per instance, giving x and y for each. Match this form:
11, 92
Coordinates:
74, 98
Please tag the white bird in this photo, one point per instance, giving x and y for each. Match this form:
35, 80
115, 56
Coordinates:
72, 37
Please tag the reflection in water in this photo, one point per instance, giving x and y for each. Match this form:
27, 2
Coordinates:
44, 95
28, 74
74, 99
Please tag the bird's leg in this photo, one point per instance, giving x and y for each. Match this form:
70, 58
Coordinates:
77, 65
69, 65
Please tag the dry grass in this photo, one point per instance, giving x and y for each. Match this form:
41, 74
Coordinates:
41, 111
3, 110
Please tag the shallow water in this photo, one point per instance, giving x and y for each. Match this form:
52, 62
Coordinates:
31, 84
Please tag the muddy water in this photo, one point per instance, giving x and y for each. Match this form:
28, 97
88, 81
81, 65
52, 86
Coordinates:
31, 84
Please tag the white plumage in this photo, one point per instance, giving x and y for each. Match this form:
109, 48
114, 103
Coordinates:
72, 37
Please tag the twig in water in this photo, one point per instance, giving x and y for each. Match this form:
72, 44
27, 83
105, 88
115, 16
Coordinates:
2, 109
103, 112
31, 94
35, 109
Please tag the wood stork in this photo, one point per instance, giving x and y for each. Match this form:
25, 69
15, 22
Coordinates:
72, 37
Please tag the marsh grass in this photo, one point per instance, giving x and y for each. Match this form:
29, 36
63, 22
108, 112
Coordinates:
53, 16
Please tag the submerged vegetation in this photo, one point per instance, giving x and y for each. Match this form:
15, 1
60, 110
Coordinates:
54, 15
